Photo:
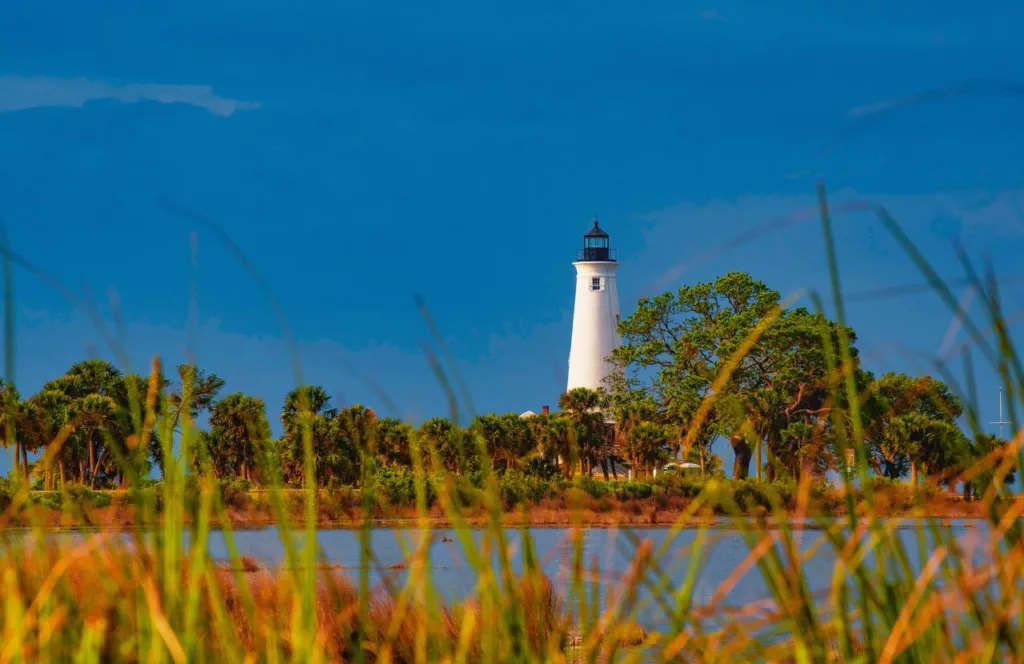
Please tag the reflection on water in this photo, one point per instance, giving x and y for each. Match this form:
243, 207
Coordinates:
612, 551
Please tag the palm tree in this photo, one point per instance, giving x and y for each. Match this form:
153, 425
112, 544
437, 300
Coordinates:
440, 441
579, 402
195, 394
628, 416
555, 435
356, 431
98, 403
307, 411
95, 414
508, 437
393, 441
10, 418
646, 445
239, 436
47, 423
592, 436
358, 424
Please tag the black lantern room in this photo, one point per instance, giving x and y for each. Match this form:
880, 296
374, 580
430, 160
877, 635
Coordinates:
595, 246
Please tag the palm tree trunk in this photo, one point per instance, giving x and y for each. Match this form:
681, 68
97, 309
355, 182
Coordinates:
99, 462
913, 475
61, 465
757, 459
92, 458
24, 459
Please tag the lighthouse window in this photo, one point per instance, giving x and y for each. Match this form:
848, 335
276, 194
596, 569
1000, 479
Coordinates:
595, 283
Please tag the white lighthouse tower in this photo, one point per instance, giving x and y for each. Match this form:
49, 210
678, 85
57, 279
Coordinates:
596, 313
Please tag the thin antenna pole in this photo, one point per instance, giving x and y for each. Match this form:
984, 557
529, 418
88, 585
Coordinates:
1001, 423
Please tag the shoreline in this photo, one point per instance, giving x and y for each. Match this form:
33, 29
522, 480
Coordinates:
637, 515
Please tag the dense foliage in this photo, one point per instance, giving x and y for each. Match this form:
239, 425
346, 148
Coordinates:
725, 359
715, 360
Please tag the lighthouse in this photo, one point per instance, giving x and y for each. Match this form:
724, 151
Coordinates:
595, 315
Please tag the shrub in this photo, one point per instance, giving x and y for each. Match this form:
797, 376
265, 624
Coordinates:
784, 491
53, 501
592, 487
80, 495
237, 484
542, 468
826, 496
678, 484
337, 499
466, 489
880, 483
152, 496
397, 487
475, 478
6, 493
234, 491
748, 494
632, 489
520, 488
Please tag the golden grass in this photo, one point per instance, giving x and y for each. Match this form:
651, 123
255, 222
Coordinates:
109, 594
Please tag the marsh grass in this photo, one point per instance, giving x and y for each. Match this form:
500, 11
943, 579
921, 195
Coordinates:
143, 595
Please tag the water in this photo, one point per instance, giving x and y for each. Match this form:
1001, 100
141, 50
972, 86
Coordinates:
613, 550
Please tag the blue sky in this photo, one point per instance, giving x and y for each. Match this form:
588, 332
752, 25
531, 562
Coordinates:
361, 154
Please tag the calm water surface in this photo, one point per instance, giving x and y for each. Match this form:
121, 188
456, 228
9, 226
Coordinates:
612, 550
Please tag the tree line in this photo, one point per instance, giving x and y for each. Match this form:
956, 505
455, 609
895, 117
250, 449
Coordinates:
99, 427
710, 361
723, 360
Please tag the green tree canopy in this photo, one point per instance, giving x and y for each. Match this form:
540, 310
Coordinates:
393, 440
509, 437
592, 438
441, 442
307, 411
989, 477
679, 345
646, 447
239, 441
556, 437
912, 427
105, 410
195, 392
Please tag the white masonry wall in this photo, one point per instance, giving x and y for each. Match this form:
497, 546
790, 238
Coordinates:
594, 321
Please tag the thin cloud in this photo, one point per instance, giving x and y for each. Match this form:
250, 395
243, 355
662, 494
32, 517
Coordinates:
19, 93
